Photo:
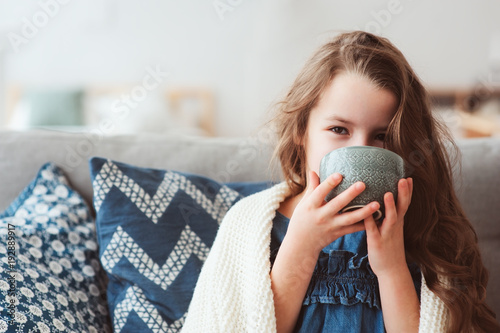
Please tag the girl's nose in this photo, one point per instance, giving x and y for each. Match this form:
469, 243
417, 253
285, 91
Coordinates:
362, 141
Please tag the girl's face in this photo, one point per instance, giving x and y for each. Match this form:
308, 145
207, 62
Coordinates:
352, 111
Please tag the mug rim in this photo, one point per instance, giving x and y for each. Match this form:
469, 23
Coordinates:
393, 154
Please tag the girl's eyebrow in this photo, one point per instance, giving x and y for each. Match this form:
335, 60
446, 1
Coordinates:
337, 118
348, 122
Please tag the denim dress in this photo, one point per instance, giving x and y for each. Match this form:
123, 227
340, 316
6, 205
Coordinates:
343, 294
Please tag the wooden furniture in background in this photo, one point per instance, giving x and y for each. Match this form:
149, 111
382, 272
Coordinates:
466, 99
467, 104
179, 97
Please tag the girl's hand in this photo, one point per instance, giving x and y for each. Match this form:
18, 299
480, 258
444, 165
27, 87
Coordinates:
386, 250
316, 223
386, 253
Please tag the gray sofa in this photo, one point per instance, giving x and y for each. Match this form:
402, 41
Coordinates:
231, 160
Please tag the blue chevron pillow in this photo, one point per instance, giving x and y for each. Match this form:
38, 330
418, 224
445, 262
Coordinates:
50, 276
155, 229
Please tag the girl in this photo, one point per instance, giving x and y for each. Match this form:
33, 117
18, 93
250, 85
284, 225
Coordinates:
285, 260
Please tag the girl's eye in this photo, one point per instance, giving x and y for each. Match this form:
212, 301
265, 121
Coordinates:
339, 130
380, 137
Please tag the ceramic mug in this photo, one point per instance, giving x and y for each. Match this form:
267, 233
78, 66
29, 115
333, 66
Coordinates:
380, 169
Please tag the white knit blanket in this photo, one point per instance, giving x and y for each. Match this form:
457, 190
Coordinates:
233, 293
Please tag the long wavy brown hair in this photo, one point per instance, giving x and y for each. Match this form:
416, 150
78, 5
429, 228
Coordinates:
438, 235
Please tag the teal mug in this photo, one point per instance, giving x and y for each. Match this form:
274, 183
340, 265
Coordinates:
380, 169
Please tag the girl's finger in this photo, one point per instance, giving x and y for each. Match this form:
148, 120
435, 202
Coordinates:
404, 196
340, 201
371, 227
358, 226
312, 182
391, 215
358, 214
322, 190
410, 180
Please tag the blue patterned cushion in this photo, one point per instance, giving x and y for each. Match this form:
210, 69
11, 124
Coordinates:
155, 229
50, 276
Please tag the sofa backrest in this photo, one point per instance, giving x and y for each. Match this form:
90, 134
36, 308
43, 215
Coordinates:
231, 160
222, 159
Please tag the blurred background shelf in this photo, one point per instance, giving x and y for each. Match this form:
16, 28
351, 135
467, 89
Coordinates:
472, 112
112, 109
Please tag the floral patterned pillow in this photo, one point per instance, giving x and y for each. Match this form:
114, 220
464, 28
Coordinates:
50, 276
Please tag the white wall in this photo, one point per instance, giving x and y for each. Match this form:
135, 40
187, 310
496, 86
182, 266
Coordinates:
250, 56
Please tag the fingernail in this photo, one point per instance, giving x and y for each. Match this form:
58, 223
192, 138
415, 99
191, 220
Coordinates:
360, 185
336, 176
374, 205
